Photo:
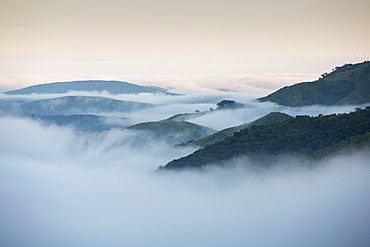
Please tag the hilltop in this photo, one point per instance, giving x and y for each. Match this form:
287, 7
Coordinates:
112, 87
349, 84
173, 132
222, 105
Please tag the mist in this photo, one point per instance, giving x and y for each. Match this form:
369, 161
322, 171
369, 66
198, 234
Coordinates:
59, 187
165, 106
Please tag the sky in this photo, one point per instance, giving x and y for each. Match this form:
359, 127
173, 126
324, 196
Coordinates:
233, 45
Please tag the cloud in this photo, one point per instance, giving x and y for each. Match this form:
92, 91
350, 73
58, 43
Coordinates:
253, 109
164, 106
62, 188
65, 190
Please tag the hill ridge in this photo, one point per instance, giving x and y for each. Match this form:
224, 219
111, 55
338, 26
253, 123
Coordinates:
173, 132
348, 84
111, 86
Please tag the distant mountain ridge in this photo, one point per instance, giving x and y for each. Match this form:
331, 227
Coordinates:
112, 87
83, 113
83, 122
71, 105
349, 84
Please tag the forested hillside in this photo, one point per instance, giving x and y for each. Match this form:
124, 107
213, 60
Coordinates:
349, 84
222, 134
303, 135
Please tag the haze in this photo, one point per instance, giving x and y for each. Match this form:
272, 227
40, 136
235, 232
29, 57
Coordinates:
202, 45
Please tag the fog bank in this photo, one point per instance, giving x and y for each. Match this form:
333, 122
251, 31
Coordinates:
62, 189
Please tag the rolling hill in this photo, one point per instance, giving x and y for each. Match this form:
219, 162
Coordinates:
349, 84
83, 113
72, 105
222, 105
173, 132
112, 87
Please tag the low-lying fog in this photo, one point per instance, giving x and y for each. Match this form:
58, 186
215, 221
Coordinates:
62, 188
165, 106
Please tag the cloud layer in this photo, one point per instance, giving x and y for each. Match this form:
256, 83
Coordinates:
59, 188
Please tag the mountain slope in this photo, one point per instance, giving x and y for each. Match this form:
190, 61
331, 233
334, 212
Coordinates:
349, 84
173, 132
222, 134
303, 135
112, 87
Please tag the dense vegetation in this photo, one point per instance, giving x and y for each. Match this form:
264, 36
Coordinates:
222, 134
349, 84
229, 104
303, 135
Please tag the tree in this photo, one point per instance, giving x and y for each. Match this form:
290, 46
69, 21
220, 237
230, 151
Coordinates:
225, 104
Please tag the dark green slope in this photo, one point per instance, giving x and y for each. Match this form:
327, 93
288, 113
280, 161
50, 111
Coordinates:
349, 84
303, 135
222, 134
173, 132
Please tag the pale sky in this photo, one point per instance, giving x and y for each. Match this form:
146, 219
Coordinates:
197, 44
